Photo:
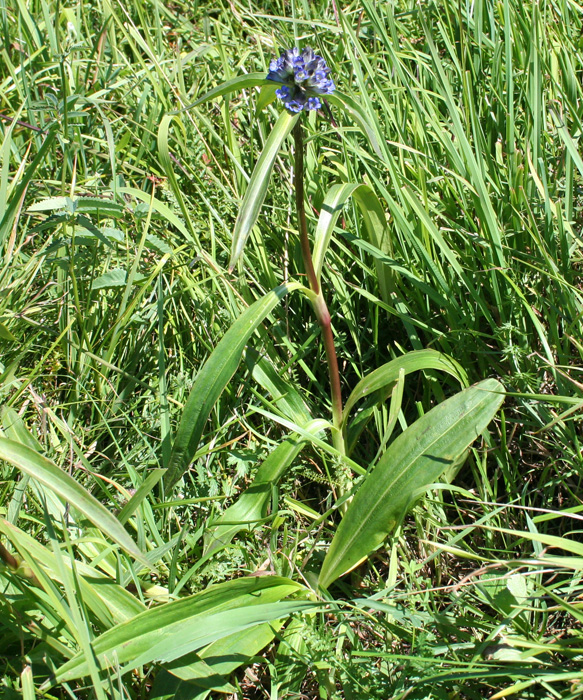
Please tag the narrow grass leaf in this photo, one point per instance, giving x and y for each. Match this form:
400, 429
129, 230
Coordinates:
141, 493
360, 117
375, 223
58, 481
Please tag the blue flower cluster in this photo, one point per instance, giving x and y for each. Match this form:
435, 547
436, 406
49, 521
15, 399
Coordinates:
303, 75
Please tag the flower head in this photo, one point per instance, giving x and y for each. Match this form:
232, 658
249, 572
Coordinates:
304, 76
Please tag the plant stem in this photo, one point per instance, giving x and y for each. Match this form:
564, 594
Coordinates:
319, 304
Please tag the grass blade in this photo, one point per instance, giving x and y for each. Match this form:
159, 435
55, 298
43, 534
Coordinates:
49, 474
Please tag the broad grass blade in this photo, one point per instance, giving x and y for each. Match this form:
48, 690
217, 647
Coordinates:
58, 481
413, 461
27, 684
257, 188
212, 379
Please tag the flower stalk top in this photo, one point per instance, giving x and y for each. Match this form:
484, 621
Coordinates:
304, 76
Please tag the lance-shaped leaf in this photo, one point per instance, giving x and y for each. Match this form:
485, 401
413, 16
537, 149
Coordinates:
58, 481
212, 379
257, 187
170, 631
412, 463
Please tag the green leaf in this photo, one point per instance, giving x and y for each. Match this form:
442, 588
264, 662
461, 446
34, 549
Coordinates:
109, 602
375, 223
386, 376
251, 506
359, 116
212, 379
17, 195
257, 188
382, 383
58, 481
241, 82
332, 205
411, 464
166, 161
210, 665
570, 143
283, 393
51, 204
114, 278
170, 631
5, 334
98, 206
141, 493
267, 95
27, 684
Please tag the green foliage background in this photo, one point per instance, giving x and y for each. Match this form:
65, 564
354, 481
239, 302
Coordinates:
115, 235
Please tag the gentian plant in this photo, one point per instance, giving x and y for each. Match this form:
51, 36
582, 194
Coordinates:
376, 496
305, 74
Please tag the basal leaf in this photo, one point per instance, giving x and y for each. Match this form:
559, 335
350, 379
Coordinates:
170, 631
412, 463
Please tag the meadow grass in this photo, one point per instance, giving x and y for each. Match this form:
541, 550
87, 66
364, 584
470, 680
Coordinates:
118, 200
